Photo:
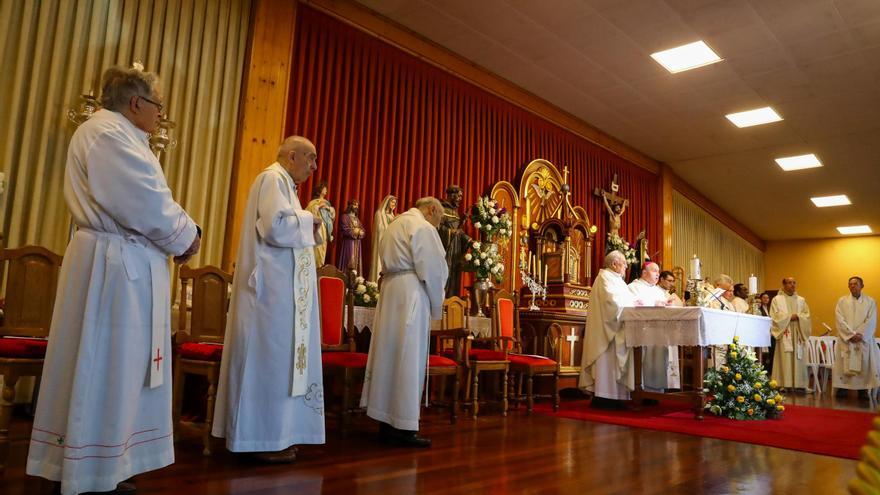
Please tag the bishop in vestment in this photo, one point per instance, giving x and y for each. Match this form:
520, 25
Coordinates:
660, 368
271, 394
104, 412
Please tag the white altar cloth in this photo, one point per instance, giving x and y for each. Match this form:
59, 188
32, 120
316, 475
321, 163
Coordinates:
692, 326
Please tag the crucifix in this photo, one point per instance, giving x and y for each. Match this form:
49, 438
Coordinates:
614, 204
572, 338
158, 359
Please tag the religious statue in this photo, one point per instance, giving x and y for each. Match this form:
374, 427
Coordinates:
321, 208
615, 211
384, 215
454, 240
352, 231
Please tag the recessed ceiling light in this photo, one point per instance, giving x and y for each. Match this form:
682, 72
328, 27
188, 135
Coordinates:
825, 201
757, 116
686, 57
855, 229
799, 162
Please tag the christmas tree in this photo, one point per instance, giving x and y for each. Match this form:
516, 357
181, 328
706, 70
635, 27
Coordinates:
739, 389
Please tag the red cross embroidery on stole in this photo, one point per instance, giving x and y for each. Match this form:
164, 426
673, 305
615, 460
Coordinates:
158, 359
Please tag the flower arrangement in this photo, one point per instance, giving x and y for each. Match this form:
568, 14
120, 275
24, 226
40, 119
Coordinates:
493, 222
617, 243
365, 293
484, 260
739, 389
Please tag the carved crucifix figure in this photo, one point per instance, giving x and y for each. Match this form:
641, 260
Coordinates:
614, 204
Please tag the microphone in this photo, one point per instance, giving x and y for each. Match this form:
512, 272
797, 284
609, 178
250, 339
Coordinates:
712, 293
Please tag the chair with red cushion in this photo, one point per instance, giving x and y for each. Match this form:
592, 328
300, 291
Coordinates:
200, 348
338, 357
493, 357
31, 283
525, 367
449, 343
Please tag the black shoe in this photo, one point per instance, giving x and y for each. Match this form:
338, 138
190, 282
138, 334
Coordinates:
412, 439
607, 404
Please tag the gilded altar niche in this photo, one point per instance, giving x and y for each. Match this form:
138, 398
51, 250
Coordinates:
552, 240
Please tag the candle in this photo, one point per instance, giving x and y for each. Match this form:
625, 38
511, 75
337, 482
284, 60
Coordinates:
695, 268
545, 274
532, 264
753, 284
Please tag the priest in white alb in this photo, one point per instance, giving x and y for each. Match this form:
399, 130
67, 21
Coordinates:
413, 285
660, 368
104, 412
857, 357
791, 327
271, 394
740, 294
607, 369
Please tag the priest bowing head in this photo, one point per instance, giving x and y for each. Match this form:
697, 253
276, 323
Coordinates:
413, 280
271, 391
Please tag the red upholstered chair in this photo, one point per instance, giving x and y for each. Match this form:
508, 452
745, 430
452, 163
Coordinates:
449, 344
525, 367
200, 349
492, 356
31, 283
338, 356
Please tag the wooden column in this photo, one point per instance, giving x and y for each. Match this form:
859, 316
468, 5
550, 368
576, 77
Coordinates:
263, 106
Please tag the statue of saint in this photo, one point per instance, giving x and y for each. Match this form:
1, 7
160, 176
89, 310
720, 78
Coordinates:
384, 215
454, 240
352, 231
321, 208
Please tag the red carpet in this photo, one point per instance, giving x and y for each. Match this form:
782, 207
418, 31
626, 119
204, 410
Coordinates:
830, 432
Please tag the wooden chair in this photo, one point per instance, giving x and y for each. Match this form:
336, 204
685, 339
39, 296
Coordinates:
447, 359
338, 356
526, 367
493, 358
199, 351
31, 283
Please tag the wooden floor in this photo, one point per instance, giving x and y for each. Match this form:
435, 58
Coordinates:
494, 455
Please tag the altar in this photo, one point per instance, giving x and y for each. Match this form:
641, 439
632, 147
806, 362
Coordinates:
694, 327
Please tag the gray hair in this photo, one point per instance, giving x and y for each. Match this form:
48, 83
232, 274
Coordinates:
119, 84
723, 279
427, 202
613, 256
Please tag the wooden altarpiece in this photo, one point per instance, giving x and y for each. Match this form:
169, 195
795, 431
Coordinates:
560, 236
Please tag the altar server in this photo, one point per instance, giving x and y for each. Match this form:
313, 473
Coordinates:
271, 390
104, 412
413, 286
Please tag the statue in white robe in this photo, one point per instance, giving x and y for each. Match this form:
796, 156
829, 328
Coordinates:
660, 369
791, 327
381, 219
412, 292
857, 357
104, 410
270, 395
607, 363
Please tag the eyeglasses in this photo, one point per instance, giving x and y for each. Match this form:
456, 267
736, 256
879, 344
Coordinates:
156, 103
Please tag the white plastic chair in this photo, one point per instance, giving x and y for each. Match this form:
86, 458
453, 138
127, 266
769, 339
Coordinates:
813, 361
826, 346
